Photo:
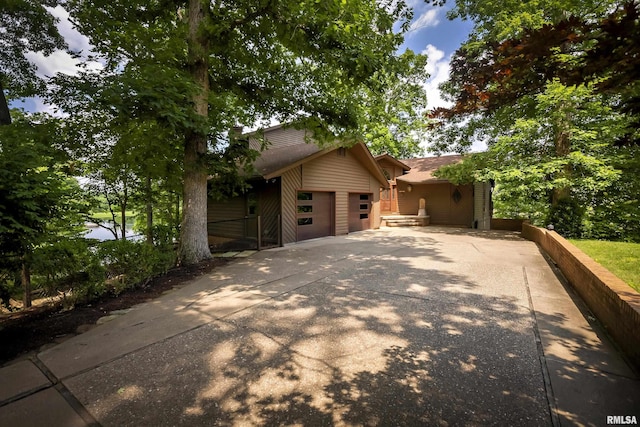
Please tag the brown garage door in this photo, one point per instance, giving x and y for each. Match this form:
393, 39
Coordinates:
314, 216
359, 212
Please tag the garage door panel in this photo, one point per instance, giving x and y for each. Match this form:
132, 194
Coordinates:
314, 214
359, 212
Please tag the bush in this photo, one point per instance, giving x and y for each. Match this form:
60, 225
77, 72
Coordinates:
9, 279
68, 267
566, 217
130, 263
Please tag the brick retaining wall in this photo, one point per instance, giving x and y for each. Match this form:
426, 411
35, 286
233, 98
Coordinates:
615, 303
506, 224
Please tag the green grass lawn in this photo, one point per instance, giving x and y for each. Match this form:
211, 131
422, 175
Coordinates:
621, 258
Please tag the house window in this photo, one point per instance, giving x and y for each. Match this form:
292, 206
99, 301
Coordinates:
305, 221
386, 174
364, 207
305, 209
364, 197
364, 216
342, 152
305, 196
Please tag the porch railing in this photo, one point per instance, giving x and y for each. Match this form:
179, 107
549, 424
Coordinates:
249, 232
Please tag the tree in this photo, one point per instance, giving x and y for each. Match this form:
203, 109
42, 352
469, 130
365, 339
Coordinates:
202, 67
546, 99
396, 126
26, 26
39, 201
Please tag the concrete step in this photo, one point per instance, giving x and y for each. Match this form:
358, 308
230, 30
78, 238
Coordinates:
406, 221
404, 224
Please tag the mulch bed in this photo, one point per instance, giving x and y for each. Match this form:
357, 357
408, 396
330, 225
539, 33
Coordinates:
27, 331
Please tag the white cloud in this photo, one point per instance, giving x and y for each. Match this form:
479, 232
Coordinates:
438, 69
427, 19
76, 41
60, 61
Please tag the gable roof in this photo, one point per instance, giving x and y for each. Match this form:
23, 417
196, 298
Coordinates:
393, 161
422, 169
286, 152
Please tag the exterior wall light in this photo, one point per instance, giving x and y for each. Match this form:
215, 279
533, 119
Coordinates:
409, 188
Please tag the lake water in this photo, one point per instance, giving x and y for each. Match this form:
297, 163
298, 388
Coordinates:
103, 234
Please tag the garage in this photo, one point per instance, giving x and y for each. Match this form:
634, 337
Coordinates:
314, 214
359, 212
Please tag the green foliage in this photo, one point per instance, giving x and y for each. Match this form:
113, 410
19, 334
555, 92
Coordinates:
395, 124
196, 75
68, 268
9, 278
26, 26
566, 217
38, 199
132, 263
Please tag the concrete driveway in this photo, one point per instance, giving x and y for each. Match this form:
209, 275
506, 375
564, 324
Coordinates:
421, 326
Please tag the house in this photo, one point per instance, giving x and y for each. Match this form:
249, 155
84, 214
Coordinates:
448, 204
300, 191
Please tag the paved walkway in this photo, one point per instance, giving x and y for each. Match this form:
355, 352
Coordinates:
389, 327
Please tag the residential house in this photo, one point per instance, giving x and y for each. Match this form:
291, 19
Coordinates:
300, 191
410, 180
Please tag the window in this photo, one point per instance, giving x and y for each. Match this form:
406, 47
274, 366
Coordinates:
305, 196
305, 209
305, 221
364, 207
364, 216
364, 197
342, 152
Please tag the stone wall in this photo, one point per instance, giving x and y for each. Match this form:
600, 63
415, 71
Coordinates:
615, 303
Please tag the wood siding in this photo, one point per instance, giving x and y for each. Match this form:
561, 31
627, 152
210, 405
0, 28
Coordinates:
269, 209
441, 206
376, 202
279, 137
342, 174
335, 173
392, 169
223, 217
291, 182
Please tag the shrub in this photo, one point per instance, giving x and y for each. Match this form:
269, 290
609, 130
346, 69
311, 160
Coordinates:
130, 263
67, 267
566, 217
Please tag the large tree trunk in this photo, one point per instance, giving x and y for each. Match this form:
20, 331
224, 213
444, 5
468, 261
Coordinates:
5, 116
563, 149
194, 244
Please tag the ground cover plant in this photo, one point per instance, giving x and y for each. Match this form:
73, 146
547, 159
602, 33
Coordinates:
621, 258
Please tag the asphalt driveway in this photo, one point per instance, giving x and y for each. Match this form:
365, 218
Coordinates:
420, 326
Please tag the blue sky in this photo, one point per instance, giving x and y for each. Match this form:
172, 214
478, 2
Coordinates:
431, 33
438, 37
